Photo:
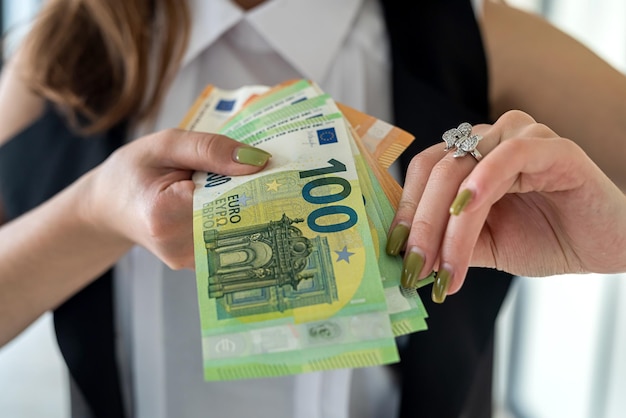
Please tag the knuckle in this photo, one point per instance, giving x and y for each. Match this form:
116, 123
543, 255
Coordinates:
156, 225
421, 163
208, 145
423, 236
449, 168
538, 130
170, 134
543, 129
161, 142
573, 148
155, 230
516, 118
514, 146
406, 208
415, 165
422, 231
204, 146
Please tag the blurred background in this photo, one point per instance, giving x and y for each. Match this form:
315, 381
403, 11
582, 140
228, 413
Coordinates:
561, 341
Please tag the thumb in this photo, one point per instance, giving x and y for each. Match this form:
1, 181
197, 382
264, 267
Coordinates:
201, 151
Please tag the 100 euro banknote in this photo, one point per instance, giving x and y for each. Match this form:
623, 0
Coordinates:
405, 308
286, 271
268, 116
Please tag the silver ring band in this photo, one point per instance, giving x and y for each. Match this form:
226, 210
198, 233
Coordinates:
476, 154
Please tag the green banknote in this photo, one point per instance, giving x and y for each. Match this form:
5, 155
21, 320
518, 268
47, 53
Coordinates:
287, 274
287, 94
283, 118
405, 308
259, 346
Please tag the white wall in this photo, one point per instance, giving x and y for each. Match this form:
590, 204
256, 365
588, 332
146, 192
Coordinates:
17, 15
33, 377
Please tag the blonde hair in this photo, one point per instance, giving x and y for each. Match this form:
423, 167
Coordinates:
93, 58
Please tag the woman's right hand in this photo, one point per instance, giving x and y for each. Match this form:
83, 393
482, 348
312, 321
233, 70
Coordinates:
144, 192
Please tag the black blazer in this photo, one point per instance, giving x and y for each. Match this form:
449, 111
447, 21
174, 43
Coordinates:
439, 80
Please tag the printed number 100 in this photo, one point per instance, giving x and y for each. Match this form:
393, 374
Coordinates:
317, 214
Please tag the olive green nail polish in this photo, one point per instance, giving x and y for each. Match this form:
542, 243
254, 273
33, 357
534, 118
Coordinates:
251, 156
460, 202
440, 286
397, 239
413, 263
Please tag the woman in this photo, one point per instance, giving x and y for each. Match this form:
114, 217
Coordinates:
107, 67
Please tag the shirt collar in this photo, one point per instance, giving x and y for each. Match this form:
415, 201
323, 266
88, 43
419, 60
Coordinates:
209, 20
320, 34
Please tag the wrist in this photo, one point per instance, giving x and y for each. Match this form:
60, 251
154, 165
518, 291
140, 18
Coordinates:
94, 216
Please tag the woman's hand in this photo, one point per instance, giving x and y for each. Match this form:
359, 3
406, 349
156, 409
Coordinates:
141, 194
535, 205
144, 191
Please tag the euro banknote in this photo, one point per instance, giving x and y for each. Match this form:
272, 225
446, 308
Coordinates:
289, 251
406, 310
313, 207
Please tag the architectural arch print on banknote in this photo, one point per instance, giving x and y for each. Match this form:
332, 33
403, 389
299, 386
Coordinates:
268, 267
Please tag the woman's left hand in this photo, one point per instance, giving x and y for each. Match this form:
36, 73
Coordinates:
535, 205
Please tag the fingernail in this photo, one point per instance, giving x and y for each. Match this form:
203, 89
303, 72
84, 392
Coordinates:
397, 239
441, 284
251, 156
461, 200
411, 267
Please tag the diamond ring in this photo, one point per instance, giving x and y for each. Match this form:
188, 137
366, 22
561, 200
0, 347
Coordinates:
462, 139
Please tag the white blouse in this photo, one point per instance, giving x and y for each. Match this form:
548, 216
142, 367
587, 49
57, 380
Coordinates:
342, 45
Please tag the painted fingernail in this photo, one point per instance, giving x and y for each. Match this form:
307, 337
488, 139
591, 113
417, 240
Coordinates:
460, 202
251, 156
413, 263
440, 285
397, 239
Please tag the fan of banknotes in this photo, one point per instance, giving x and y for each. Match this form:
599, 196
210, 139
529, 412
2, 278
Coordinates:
291, 269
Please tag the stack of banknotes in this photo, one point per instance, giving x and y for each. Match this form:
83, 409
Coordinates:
291, 267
